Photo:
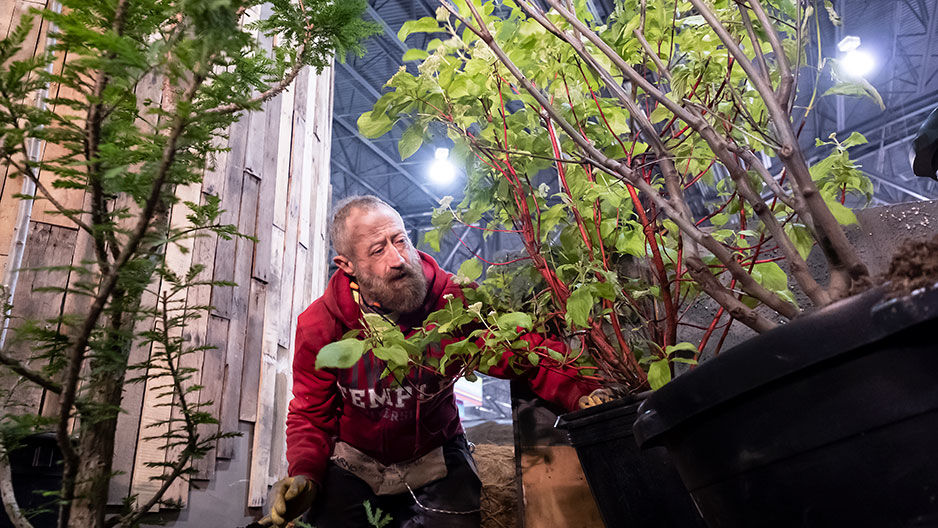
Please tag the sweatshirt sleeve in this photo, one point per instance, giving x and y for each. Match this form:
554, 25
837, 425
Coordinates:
561, 385
312, 418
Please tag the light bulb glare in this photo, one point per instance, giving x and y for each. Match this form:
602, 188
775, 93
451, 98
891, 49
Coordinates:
857, 63
442, 172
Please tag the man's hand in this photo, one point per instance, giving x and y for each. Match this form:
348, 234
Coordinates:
597, 397
289, 498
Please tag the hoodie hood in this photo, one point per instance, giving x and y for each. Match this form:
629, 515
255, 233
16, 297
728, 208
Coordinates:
340, 303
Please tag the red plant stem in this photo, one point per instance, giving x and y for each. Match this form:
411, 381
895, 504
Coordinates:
718, 211
700, 175
648, 228
561, 172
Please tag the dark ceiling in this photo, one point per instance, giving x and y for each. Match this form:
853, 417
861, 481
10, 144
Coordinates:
899, 33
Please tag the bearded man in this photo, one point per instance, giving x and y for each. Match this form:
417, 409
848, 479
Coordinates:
352, 438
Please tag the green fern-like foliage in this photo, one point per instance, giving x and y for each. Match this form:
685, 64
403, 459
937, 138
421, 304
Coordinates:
129, 149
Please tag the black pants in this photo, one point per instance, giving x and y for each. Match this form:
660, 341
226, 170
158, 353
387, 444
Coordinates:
341, 503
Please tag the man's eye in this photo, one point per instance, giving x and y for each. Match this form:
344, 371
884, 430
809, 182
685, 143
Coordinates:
377, 251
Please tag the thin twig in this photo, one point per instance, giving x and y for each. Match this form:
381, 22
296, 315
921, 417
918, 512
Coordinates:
662, 69
18, 368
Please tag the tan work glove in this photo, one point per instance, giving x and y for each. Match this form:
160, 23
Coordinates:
289, 498
597, 397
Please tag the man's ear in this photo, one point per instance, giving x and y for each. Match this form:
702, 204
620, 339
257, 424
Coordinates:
344, 264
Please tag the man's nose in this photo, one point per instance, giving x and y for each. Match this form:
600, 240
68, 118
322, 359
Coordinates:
397, 259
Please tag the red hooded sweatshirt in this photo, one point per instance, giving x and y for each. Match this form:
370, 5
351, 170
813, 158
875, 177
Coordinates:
390, 424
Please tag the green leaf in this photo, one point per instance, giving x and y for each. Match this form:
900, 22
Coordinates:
855, 139
470, 269
660, 113
858, 88
340, 354
410, 141
372, 126
801, 237
719, 219
606, 290
689, 347
843, 214
579, 305
689, 361
631, 241
414, 54
556, 356
395, 355
533, 358
659, 373
512, 320
432, 239
423, 25
770, 275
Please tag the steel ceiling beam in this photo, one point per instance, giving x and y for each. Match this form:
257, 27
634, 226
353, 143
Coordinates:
893, 185
357, 77
371, 188
926, 58
391, 34
352, 129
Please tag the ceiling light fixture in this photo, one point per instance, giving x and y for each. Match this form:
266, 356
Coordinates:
442, 171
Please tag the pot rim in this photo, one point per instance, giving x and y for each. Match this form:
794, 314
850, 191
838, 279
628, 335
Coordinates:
832, 331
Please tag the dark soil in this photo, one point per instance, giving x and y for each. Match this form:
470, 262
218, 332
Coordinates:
914, 265
496, 465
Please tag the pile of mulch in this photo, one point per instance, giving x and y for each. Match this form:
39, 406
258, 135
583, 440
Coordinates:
914, 265
496, 465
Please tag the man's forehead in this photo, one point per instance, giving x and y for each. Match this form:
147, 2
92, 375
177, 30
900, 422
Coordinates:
367, 220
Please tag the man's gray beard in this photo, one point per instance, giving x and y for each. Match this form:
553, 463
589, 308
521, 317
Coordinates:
404, 295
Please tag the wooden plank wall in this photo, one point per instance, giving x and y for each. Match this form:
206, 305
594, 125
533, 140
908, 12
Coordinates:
273, 182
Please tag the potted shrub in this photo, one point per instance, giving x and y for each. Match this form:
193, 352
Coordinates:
593, 141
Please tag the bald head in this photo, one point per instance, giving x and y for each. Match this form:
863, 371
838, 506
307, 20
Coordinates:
371, 245
339, 230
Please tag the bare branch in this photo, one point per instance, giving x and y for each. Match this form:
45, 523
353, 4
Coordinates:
18, 368
757, 49
787, 80
265, 95
662, 69
845, 263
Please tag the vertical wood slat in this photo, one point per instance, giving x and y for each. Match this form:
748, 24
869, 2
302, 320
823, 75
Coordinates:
47, 245
313, 150
150, 88
144, 482
179, 260
319, 233
74, 199
231, 205
311, 252
237, 328
213, 374
257, 484
264, 426
250, 375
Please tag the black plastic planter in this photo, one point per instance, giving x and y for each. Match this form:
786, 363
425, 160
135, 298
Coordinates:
631, 487
831, 420
36, 467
